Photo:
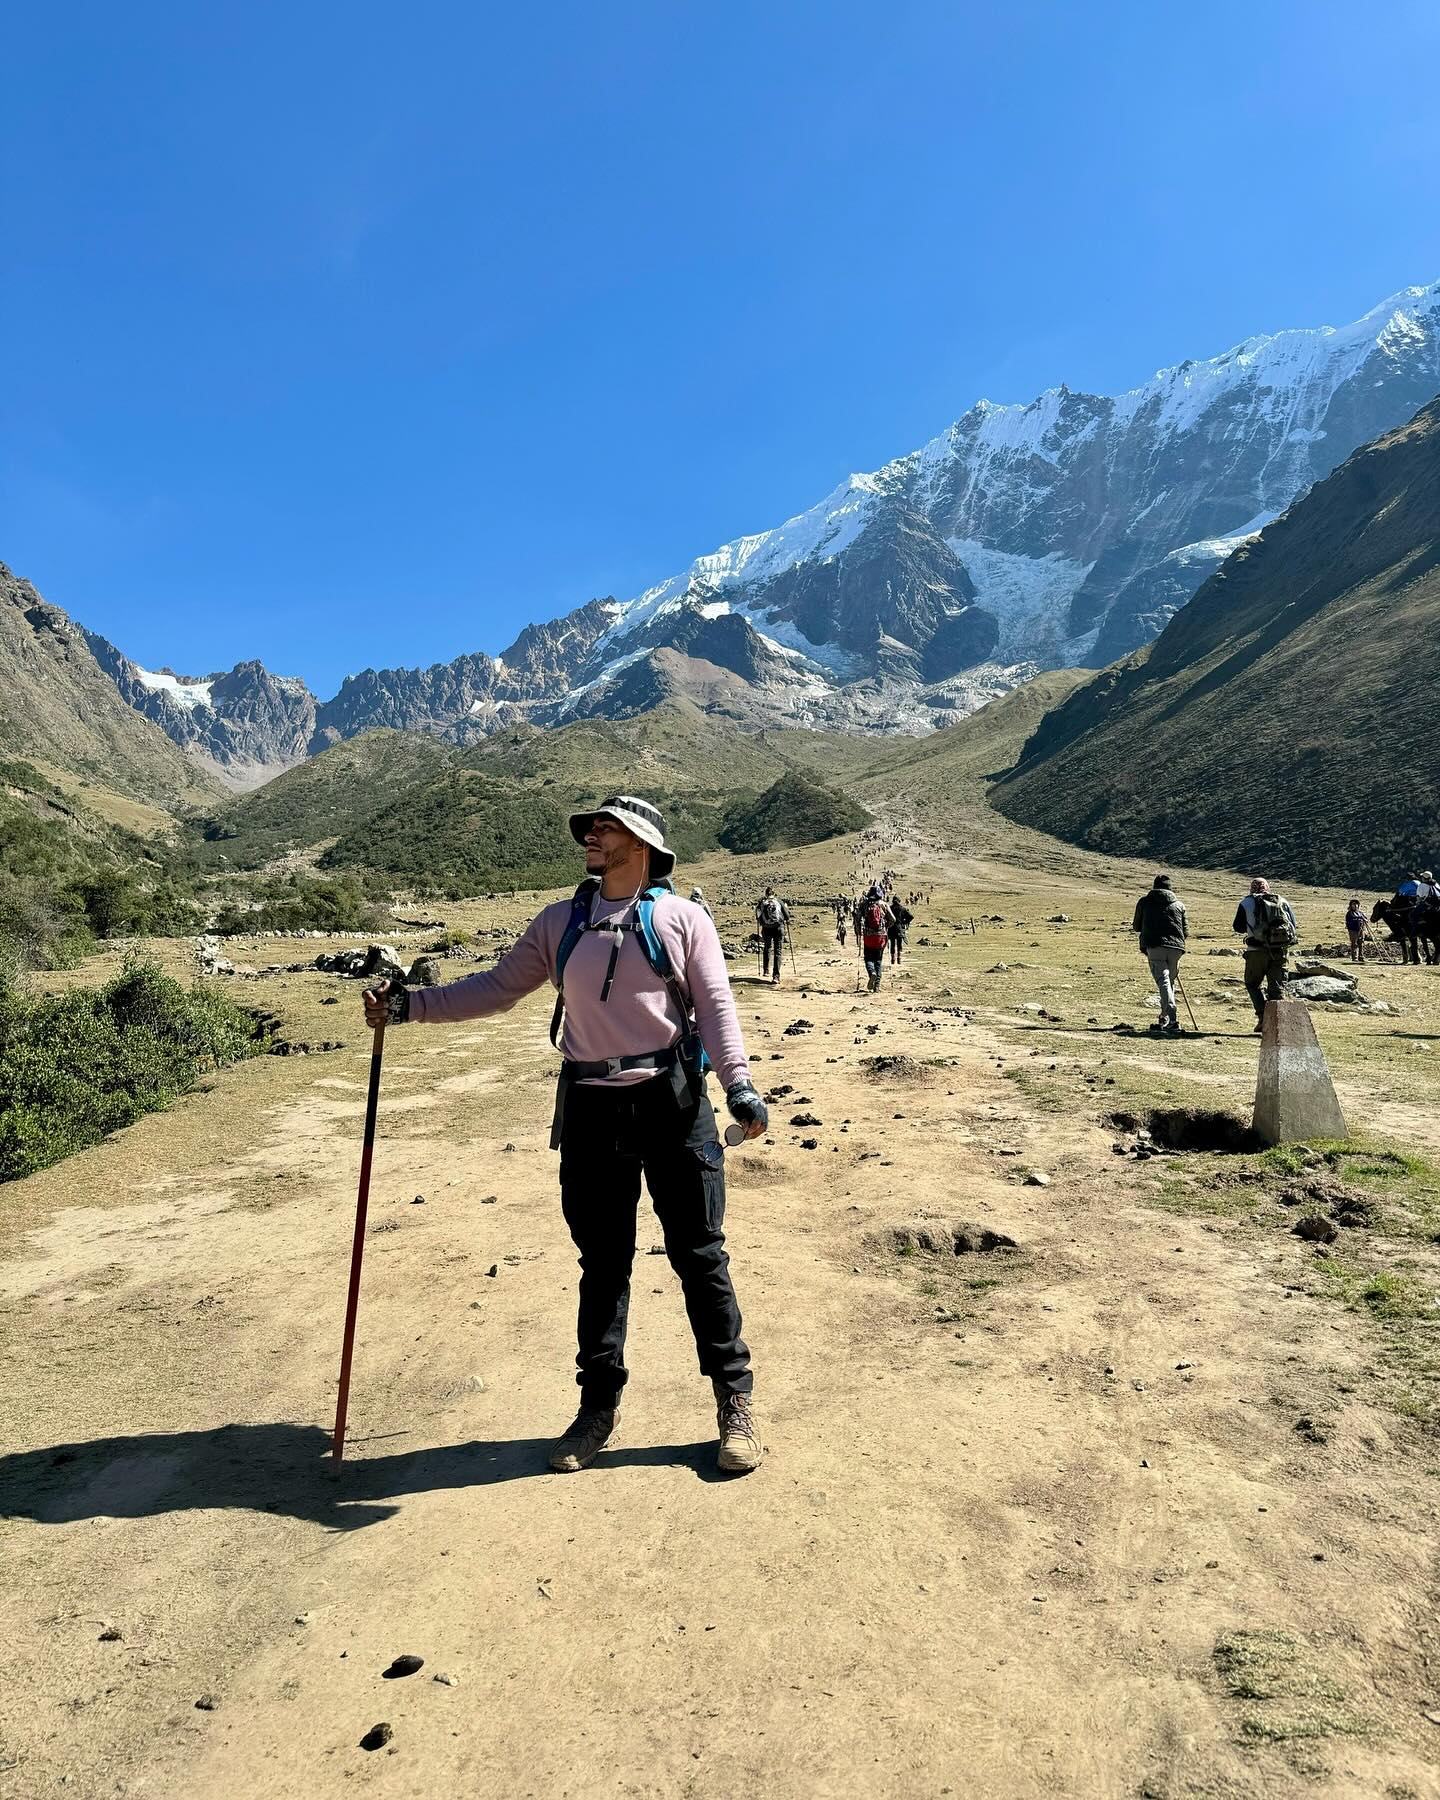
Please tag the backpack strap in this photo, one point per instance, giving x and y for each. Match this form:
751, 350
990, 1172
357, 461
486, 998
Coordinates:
576, 926
690, 1048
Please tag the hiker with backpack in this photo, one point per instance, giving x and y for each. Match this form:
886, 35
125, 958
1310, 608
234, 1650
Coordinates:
873, 931
1161, 923
646, 1010
900, 917
1268, 923
697, 896
771, 916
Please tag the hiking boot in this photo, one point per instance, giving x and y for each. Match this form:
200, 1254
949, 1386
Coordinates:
587, 1435
1172, 1029
1259, 1030
740, 1449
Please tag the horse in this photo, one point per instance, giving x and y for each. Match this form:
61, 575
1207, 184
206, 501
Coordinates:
1411, 927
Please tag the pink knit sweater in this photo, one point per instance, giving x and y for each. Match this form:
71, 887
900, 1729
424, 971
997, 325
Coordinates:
639, 1015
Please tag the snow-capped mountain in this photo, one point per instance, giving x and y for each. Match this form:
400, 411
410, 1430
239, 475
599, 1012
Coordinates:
244, 725
1066, 530
1079, 522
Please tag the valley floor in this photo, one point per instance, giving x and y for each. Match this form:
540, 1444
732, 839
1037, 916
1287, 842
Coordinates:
1144, 1507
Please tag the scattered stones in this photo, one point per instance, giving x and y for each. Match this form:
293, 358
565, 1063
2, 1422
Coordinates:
1037, 1178
798, 1027
805, 1118
403, 1666
809, 1143
893, 1068
424, 972
208, 1703
419, 1200
377, 1737
112, 1634
446, 1680
1311, 1431
1315, 1228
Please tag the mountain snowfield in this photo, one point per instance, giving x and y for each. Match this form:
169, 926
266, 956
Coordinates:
1064, 531
991, 480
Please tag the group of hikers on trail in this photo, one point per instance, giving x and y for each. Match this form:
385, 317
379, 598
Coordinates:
1264, 919
643, 1012
879, 924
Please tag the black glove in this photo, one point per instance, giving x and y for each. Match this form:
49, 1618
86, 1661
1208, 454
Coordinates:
397, 1005
746, 1106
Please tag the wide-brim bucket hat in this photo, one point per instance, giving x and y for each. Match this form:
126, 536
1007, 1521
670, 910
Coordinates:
635, 815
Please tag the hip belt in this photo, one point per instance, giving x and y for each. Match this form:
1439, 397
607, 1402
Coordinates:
615, 1065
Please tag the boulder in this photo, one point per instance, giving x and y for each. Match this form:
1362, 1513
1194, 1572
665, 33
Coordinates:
424, 972
1323, 987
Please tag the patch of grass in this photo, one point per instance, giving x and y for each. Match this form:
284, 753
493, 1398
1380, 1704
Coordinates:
1387, 1294
1269, 1666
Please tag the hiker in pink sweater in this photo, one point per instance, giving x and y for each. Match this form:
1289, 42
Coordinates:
643, 1003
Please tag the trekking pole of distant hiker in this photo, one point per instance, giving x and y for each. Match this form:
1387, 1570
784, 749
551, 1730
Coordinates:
357, 1249
791, 942
1186, 998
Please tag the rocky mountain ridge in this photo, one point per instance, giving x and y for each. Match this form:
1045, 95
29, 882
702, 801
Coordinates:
1290, 705
1065, 531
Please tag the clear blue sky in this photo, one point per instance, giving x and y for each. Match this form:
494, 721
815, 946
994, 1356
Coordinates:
363, 334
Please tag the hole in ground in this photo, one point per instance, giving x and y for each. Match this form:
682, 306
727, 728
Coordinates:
1196, 1128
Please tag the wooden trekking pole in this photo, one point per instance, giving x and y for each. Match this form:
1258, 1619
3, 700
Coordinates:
357, 1249
1188, 1007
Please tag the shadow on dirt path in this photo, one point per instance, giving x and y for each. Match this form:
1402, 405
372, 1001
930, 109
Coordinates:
279, 1468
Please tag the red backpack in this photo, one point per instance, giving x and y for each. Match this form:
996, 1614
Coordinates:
874, 923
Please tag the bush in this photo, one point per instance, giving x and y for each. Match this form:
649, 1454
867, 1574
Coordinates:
77, 1066
332, 903
116, 904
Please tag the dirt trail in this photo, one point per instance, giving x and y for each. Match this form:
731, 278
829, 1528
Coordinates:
1011, 1504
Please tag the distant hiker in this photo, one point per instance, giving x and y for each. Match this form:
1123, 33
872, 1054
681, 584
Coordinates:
900, 917
697, 896
646, 1006
771, 916
1355, 930
1161, 923
874, 933
1268, 922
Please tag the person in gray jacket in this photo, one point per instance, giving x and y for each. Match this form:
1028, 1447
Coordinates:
1267, 921
1160, 920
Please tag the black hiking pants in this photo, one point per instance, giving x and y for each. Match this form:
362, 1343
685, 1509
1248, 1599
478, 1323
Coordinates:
772, 942
609, 1138
897, 944
1264, 965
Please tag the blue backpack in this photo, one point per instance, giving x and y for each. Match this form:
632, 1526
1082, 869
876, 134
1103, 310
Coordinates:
643, 925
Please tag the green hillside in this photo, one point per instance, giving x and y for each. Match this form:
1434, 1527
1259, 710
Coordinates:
1284, 721
68, 877
325, 798
463, 833
58, 706
795, 810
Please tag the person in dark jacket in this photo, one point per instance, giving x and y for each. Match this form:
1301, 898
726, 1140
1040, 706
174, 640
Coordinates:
1160, 921
1355, 930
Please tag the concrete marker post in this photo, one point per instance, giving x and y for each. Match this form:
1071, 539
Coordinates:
1294, 1095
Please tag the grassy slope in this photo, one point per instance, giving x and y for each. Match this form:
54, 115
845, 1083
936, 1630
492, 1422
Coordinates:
795, 810
1285, 718
58, 706
322, 799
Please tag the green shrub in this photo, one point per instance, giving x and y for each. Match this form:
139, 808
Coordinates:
75, 1067
304, 903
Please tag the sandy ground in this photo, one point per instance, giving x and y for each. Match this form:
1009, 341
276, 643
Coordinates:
1012, 1503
